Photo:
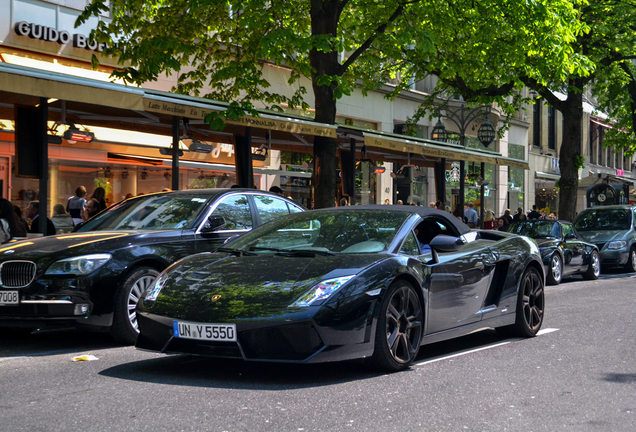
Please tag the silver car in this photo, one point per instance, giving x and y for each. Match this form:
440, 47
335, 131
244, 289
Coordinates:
611, 228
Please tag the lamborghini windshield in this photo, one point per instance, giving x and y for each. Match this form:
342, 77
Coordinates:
324, 233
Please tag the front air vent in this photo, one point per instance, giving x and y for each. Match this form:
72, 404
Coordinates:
17, 274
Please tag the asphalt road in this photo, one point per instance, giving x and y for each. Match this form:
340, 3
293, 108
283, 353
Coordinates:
579, 374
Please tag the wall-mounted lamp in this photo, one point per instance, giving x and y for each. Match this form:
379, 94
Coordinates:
124, 174
144, 175
167, 175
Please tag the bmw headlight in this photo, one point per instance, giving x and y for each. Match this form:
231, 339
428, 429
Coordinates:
321, 291
616, 244
78, 266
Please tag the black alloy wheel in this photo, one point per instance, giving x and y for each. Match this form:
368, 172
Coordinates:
530, 306
555, 272
399, 329
125, 329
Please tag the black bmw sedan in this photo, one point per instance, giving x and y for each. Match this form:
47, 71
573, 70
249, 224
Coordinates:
93, 278
370, 282
563, 250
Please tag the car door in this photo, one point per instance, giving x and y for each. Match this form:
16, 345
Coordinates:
459, 282
573, 249
239, 219
269, 208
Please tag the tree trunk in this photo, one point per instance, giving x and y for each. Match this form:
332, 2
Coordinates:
570, 153
324, 21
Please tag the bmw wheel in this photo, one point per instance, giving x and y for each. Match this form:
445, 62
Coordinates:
399, 329
555, 272
594, 267
125, 328
530, 306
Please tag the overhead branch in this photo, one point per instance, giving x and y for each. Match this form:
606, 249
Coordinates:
544, 92
378, 31
469, 93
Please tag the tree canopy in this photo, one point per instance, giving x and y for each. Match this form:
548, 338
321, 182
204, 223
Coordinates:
591, 48
485, 50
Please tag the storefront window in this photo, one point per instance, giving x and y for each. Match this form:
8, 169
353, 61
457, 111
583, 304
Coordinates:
297, 187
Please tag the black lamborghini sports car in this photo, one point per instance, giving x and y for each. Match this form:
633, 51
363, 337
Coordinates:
373, 282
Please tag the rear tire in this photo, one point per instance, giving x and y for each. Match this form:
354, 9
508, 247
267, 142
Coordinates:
555, 272
594, 267
530, 306
399, 330
125, 329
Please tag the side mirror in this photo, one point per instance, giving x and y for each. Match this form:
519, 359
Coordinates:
214, 223
446, 243
570, 236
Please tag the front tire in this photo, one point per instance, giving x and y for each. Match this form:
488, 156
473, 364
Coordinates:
630, 267
594, 267
399, 330
125, 329
530, 306
555, 272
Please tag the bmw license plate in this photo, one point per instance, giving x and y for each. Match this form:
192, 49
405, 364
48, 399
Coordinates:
209, 332
9, 298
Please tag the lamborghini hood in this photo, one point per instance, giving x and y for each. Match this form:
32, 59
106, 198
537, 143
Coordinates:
222, 288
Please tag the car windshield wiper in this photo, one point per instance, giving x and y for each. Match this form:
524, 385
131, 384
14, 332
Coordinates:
294, 252
237, 252
305, 252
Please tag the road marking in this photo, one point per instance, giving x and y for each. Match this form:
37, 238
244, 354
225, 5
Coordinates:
494, 345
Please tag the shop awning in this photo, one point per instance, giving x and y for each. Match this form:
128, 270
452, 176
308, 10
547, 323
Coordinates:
426, 148
39, 83
548, 176
604, 178
198, 108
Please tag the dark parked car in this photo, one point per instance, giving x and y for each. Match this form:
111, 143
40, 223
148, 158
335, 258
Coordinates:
345, 283
93, 278
611, 229
562, 249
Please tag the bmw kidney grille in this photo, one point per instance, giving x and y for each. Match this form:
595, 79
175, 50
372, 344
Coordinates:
17, 274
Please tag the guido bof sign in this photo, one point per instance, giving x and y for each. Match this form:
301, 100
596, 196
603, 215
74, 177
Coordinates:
62, 37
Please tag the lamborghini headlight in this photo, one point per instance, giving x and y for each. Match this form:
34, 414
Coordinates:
154, 291
79, 266
321, 291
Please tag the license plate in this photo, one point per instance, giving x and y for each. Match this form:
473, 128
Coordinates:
9, 298
209, 332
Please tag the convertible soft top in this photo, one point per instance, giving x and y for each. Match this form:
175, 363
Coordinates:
461, 227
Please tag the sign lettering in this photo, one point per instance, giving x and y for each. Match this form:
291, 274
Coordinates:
50, 34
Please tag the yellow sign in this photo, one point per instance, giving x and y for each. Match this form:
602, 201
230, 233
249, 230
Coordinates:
514, 163
290, 126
